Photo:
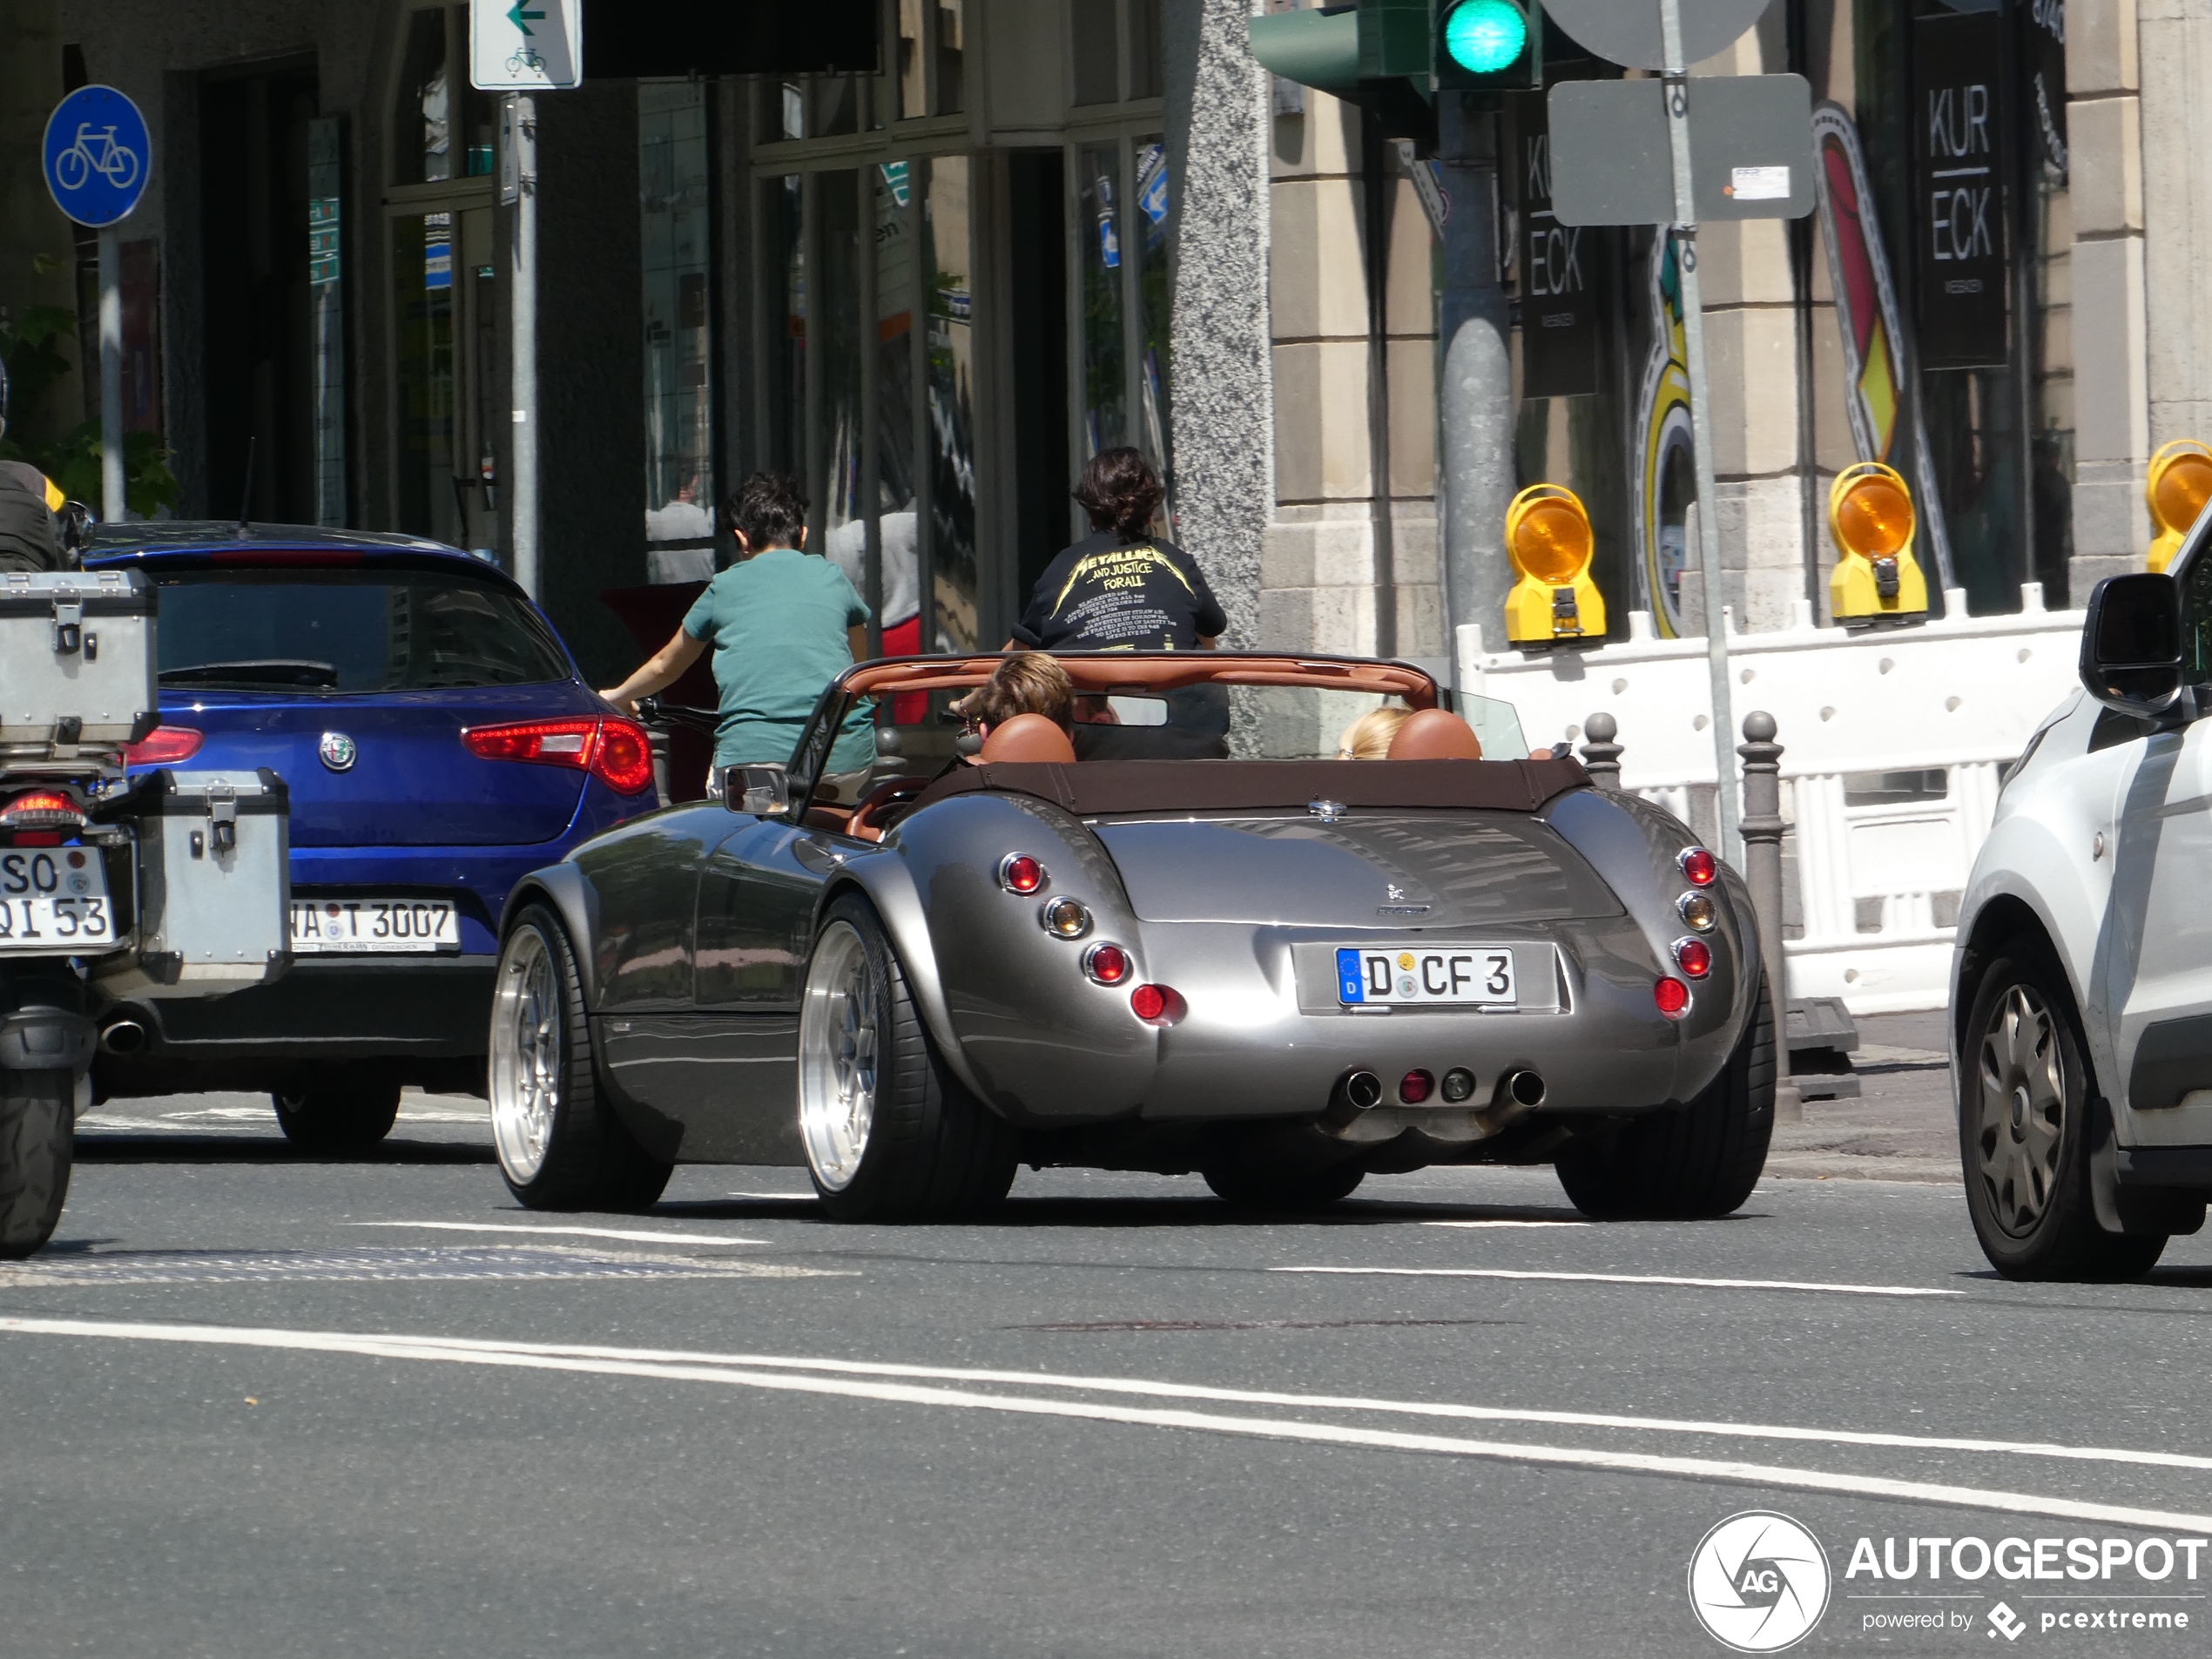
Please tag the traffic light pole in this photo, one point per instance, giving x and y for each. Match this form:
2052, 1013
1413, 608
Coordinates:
523, 122
1476, 409
1674, 78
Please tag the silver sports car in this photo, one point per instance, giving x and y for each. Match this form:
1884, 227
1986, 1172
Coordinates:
1182, 938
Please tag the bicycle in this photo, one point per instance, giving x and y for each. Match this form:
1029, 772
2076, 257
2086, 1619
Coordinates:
524, 57
95, 152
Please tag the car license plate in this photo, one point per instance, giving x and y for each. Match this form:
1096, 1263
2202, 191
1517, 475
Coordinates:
372, 927
54, 901
1421, 976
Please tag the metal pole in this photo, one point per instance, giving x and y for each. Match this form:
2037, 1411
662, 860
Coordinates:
1763, 828
114, 509
1676, 80
1475, 402
524, 494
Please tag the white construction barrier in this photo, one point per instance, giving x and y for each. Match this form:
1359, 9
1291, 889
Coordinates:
1893, 744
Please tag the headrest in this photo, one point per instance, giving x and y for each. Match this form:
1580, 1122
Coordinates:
1030, 738
1435, 734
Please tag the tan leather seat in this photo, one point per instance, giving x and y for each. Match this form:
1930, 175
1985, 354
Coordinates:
1435, 734
1029, 738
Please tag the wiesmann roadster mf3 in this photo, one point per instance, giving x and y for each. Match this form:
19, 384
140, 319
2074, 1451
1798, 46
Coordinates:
1180, 941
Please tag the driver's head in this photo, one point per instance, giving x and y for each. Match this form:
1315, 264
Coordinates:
1027, 683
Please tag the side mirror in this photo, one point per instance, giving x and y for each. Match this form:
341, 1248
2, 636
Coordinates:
763, 791
2131, 645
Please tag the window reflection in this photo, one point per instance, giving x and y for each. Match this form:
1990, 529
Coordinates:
423, 132
1156, 302
422, 290
1098, 70
946, 257
1099, 232
952, 57
912, 67
674, 222
836, 488
785, 213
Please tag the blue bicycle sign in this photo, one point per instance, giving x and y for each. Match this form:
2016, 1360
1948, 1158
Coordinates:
98, 155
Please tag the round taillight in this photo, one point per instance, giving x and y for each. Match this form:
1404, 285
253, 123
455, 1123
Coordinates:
1459, 1084
1066, 918
1699, 866
1019, 872
1698, 910
1157, 1004
1108, 964
1416, 1086
1672, 996
1694, 956
623, 758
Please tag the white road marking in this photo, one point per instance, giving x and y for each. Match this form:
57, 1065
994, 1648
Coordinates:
1507, 1224
521, 1356
1630, 1278
809, 1196
633, 1236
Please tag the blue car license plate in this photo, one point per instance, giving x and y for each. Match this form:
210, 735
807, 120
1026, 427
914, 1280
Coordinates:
1423, 975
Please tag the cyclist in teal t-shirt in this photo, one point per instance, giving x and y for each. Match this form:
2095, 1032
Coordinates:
783, 624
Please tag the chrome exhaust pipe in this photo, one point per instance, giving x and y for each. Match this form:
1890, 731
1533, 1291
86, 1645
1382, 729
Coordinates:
123, 1036
1364, 1091
1524, 1088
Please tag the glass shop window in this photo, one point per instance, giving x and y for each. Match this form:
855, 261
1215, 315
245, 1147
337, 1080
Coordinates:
674, 198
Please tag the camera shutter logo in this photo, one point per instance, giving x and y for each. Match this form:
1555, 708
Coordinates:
1758, 1582
337, 750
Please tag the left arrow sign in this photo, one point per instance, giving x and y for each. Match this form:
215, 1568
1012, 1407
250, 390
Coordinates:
523, 19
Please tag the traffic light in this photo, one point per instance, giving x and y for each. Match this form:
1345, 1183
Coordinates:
1877, 581
1392, 57
1548, 539
1489, 46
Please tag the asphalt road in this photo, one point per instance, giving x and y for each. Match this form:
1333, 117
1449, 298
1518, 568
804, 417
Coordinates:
261, 1403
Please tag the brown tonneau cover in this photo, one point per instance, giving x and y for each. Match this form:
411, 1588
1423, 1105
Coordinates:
1098, 788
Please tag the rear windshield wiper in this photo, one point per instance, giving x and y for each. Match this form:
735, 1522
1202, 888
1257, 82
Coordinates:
322, 677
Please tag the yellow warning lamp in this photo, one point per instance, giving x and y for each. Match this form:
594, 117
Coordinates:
1876, 581
2179, 485
1548, 539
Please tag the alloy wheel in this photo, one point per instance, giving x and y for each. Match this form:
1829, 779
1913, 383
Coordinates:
2020, 1131
525, 1054
837, 1056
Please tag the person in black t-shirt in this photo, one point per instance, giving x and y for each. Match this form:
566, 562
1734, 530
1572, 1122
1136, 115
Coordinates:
1121, 589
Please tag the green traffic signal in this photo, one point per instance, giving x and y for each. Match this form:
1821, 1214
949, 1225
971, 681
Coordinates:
1484, 36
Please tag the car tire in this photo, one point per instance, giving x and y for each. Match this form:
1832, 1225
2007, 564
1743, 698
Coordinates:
561, 1144
1693, 1163
1250, 1186
891, 1134
2026, 1129
38, 1130
334, 1113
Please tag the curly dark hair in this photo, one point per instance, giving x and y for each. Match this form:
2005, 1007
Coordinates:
769, 509
1121, 492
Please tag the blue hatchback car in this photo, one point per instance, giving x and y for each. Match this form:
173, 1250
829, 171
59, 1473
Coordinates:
438, 744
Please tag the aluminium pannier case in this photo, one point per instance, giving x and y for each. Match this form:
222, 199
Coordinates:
214, 885
77, 663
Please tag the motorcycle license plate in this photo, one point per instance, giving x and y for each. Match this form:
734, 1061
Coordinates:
1426, 975
54, 899
373, 927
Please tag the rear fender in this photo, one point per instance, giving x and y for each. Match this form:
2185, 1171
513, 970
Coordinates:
885, 880
1633, 847
569, 892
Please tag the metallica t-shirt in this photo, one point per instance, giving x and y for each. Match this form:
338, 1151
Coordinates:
1106, 594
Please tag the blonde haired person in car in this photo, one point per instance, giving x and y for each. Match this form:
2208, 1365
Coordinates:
1368, 737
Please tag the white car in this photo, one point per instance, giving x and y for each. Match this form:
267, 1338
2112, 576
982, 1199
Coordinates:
2081, 980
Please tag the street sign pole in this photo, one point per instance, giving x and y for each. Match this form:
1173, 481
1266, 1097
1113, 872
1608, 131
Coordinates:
1675, 79
522, 132
114, 508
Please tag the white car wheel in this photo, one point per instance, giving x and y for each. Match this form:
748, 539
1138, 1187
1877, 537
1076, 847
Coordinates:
839, 1019
525, 1080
